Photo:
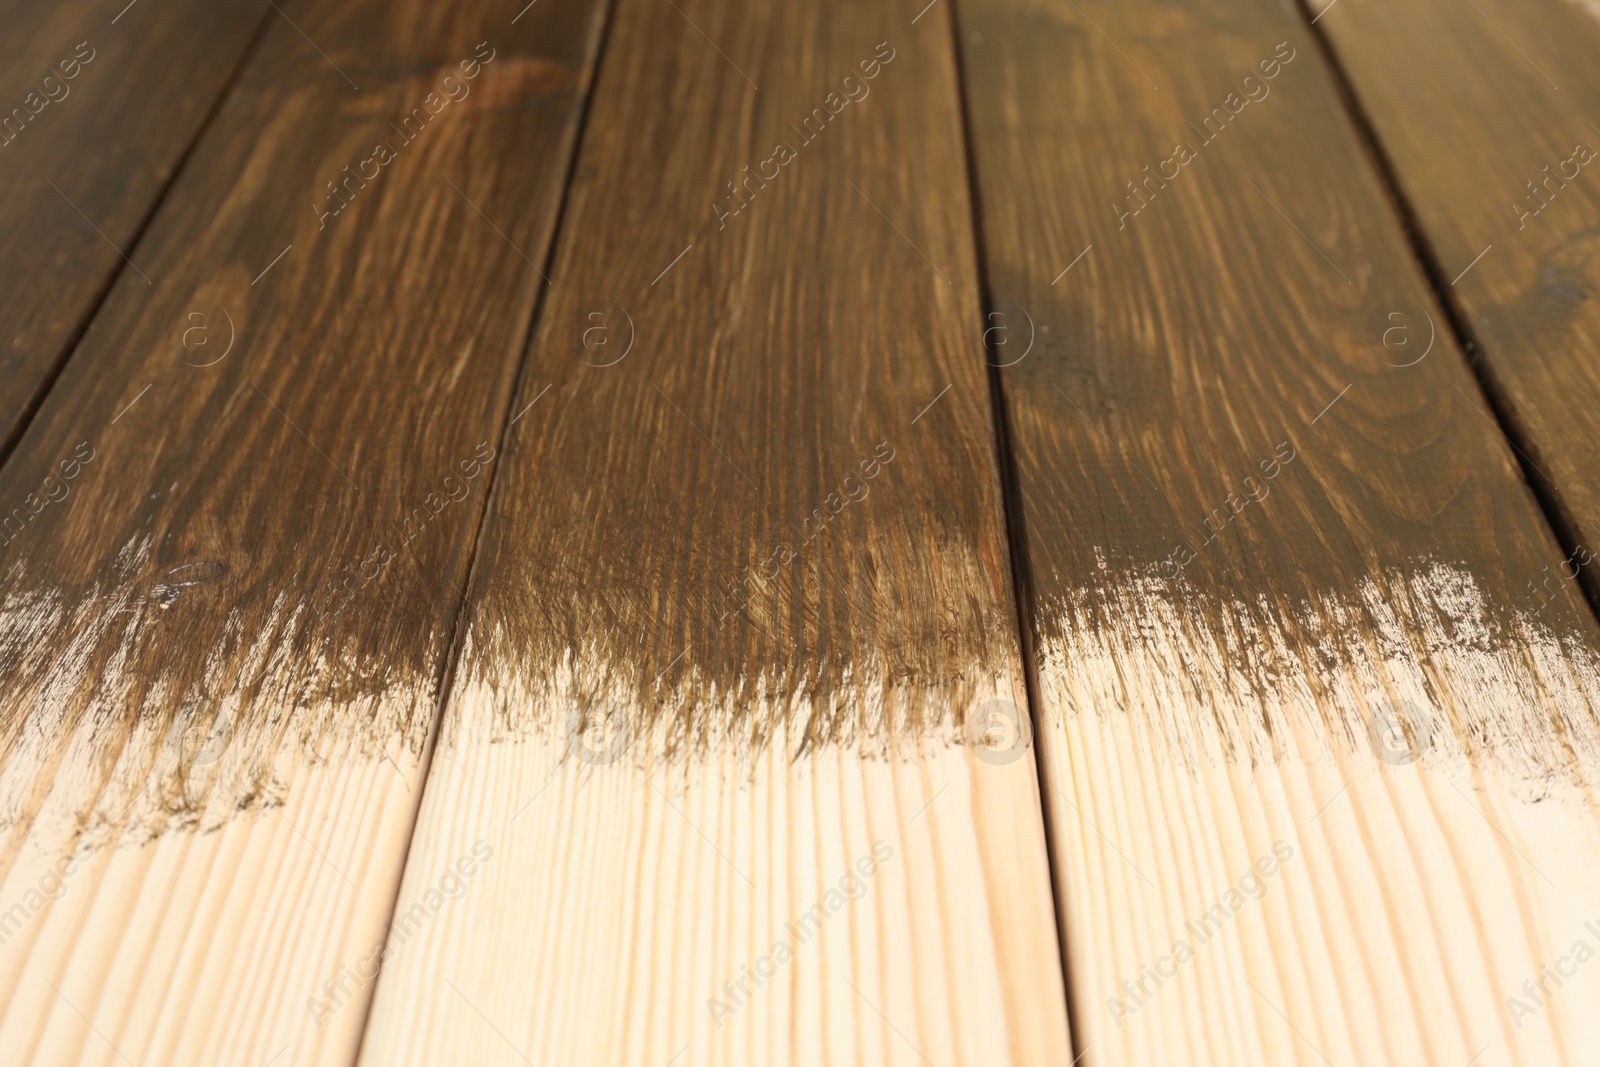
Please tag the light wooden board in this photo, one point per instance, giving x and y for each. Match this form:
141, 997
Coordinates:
790, 385
99, 103
1257, 521
308, 394
1485, 114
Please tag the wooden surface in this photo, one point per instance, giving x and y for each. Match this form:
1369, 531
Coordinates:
670, 763
1470, 107
99, 106
839, 543
1207, 689
232, 747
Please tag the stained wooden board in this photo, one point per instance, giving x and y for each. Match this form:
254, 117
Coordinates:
1485, 114
1264, 523
742, 589
98, 104
251, 501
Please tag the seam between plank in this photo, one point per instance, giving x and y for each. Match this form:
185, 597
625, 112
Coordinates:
445, 677
1552, 506
1016, 535
48, 380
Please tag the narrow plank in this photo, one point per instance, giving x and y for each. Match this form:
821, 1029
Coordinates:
223, 633
743, 587
1265, 523
98, 103
1487, 116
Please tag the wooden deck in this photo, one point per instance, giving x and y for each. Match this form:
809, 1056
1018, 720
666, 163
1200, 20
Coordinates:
669, 533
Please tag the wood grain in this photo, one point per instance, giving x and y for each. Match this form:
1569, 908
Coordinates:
226, 615
1484, 115
95, 116
1264, 522
743, 592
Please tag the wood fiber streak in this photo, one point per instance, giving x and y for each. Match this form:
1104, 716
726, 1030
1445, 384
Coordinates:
670, 761
789, 348
1470, 107
230, 743
109, 139
1217, 624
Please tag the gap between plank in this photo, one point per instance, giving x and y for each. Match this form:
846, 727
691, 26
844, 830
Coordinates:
445, 677
1016, 535
1548, 495
47, 381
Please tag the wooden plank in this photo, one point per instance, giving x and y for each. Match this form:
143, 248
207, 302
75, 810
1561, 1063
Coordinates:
98, 104
1264, 524
684, 776
1486, 116
224, 628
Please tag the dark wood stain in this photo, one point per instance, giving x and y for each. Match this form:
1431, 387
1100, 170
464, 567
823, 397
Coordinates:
743, 524
103, 112
1204, 338
334, 416
1479, 113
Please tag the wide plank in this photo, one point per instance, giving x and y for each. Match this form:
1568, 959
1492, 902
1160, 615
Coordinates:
99, 103
734, 768
248, 510
1489, 117
1319, 771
